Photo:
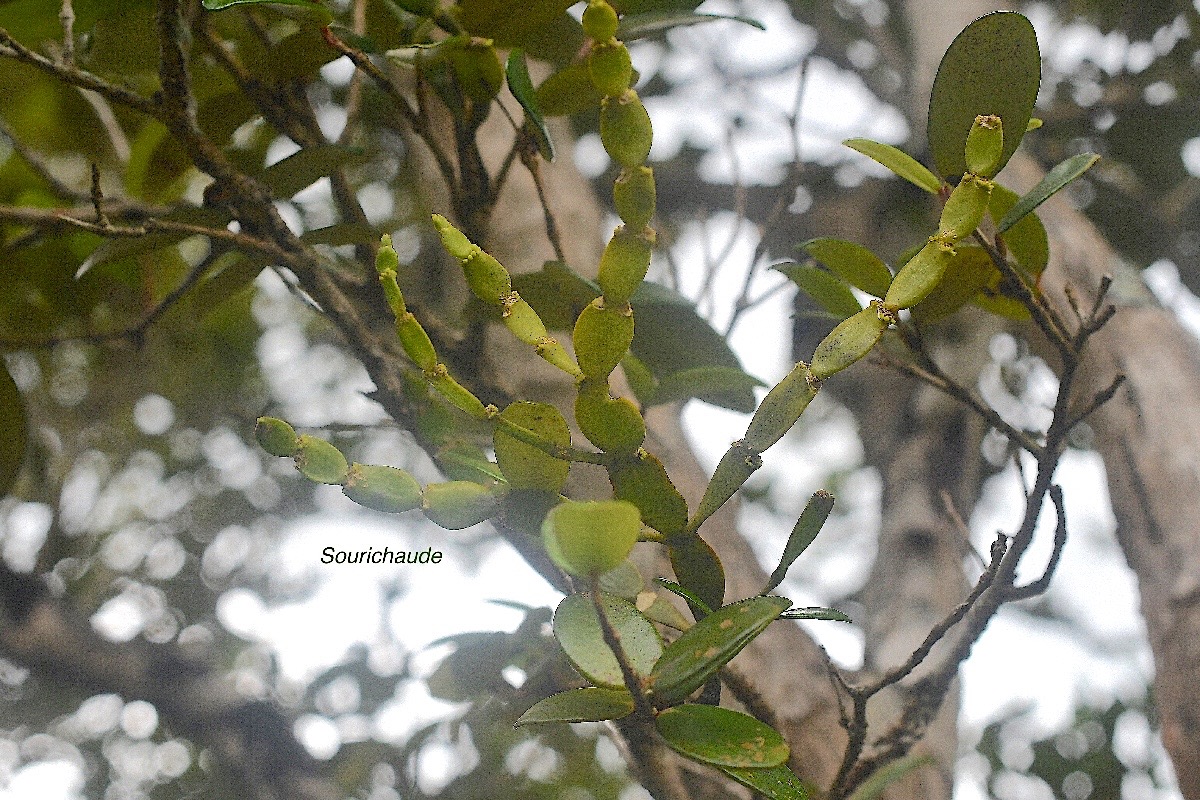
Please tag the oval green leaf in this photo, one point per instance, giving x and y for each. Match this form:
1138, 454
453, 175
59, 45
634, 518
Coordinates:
589, 704
825, 289
1055, 180
775, 783
899, 162
699, 571
13, 429
688, 662
1026, 239
721, 737
592, 537
636, 26
702, 382
992, 67
852, 262
516, 72
578, 631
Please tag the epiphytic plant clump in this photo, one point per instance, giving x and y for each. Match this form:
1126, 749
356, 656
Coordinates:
988, 248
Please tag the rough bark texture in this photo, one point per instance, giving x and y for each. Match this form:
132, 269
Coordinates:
1149, 435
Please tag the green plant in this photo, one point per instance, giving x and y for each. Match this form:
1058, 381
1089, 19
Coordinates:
988, 249
981, 108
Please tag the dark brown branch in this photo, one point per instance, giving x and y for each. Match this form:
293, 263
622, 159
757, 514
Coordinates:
1060, 540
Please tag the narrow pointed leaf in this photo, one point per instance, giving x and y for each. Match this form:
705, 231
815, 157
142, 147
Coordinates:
517, 73
816, 511
691, 597
703, 382
304, 168
578, 631
721, 737
312, 5
688, 662
13, 429
899, 162
825, 289
774, 783
1054, 181
992, 67
590, 704
1026, 239
814, 612
635, 26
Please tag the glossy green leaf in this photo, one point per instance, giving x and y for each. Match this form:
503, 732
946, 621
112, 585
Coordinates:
635, 26
13, 429
816, 511
827, 290
590, 704
1055, 180
578, 631
519, 83
689, 661
304, 168
815, 612
852, 262
691, 597
311, 5
721, 737
592, 537
1026, 240
774, 783
899, 162
699, 569
702, 382
992, 67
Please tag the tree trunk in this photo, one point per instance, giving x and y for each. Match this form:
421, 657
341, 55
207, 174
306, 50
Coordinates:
1149, 435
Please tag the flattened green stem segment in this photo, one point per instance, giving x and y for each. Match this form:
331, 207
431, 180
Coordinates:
985, 145
491, 283
734, 469
780, 409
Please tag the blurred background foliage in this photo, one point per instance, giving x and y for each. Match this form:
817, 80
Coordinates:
146, 503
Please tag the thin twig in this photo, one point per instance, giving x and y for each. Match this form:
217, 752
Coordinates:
66, 15
1060, 540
